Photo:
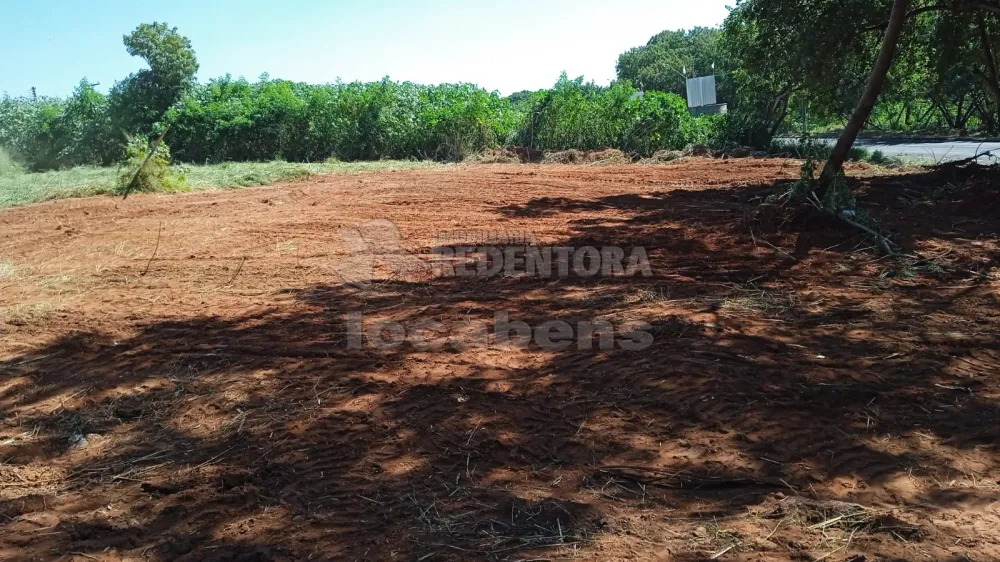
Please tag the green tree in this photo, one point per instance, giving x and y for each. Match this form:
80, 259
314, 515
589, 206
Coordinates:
817, 49
82, 132
663, 63
578, 114
143, 98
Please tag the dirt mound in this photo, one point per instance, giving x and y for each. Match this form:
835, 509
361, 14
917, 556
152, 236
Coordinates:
662, 157
602, 157
742, 152
523, 155
699, 150
507, 155
703, 151
494, 156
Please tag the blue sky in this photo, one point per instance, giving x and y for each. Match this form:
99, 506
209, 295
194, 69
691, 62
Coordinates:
506, 46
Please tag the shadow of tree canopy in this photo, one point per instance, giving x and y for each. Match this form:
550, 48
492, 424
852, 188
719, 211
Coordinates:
775, 375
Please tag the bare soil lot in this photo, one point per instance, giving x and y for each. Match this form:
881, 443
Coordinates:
175, 382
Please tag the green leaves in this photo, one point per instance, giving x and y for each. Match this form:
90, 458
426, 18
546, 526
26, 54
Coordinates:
168, 53
48, 133
236, 120
575, 114
231, 119
145, 172
942, 77
91, 128
671, 56
142, 99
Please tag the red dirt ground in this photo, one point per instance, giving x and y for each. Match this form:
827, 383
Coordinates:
804, 398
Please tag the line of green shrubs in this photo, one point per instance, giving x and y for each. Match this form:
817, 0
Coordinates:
236, 120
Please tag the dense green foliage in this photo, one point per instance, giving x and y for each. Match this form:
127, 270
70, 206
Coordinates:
237, 120
785, 66
140, 101
231, 119
670, 57
574, 114
48, 133
93, 128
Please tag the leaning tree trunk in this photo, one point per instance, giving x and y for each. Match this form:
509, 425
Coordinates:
869, 97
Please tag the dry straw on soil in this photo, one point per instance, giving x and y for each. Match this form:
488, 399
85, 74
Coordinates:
604, 157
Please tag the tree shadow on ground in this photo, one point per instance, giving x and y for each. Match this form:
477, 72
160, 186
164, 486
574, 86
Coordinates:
770, 377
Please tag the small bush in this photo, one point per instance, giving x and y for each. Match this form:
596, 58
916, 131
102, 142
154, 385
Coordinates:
736, 128
711, 130
142, 173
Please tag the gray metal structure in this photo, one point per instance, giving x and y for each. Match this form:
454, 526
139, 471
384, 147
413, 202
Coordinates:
701, 91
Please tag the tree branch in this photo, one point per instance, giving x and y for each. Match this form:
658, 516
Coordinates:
984, 38
912, 14
986, 6
955, 6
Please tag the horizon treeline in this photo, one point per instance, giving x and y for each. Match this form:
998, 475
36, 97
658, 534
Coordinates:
233, 119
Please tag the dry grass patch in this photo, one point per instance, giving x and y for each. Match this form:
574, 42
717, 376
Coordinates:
27, 313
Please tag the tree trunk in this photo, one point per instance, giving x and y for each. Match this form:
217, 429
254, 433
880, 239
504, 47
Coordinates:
961, 118
779, 109
924, 118
899, 117
867, 102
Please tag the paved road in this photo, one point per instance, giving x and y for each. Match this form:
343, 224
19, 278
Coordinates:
943, 151
930, 150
